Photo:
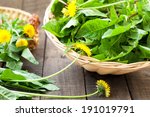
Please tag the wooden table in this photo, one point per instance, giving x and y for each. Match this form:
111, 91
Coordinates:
75, 80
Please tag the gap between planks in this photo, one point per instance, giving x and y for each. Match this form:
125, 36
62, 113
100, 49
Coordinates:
139, 84
38, 7
118, 84
71, 81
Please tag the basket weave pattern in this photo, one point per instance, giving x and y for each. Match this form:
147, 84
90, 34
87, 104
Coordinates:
22, 15
92, 64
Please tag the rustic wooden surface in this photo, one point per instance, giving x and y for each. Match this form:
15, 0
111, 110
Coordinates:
75, 80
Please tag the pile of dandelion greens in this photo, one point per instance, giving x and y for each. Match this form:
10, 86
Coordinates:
16, 83
108, 30
15, 36
14, 41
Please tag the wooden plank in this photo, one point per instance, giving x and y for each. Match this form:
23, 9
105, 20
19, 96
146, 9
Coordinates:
139, 84
37, 7
71, 81
11, 3
119, 89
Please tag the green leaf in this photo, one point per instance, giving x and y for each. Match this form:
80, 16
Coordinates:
56, 7
28, 55
26, 74
145, 51
6, 94
21, 86
92, 28
146, 6
122, 54
146, 23
132, 57
92, 12
15, 65
80, 1
14, 56
14, 49
74, 32
113, 14
118, 30
46, 84
9, 75
53, 5
100, 56
148, 41
50, 87
95, 50
137, 33
91, 3
114, 48
55, 26
4, 57
72, 22
99, 4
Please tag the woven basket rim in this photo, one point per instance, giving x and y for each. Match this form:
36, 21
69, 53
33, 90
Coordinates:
15, 9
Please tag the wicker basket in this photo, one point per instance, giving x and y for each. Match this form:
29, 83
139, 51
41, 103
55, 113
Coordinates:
92, 64
16, 13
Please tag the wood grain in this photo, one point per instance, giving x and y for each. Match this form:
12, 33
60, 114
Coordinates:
12, 3
119, 89
139, 84
71, 81
37, 7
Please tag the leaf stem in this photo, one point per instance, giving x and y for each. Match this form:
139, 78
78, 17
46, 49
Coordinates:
47, 77
106, 5
16, 32
57, 96
61, 1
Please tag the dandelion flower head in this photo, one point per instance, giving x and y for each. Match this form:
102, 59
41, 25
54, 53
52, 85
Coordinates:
103, 87
70, 9
83, 47
29, 30
5, 36
21, 43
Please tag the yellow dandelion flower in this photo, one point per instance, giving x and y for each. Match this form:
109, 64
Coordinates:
103, 87
71, 9
21, 43
29, 30
65, 12
5, 36
83, 47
